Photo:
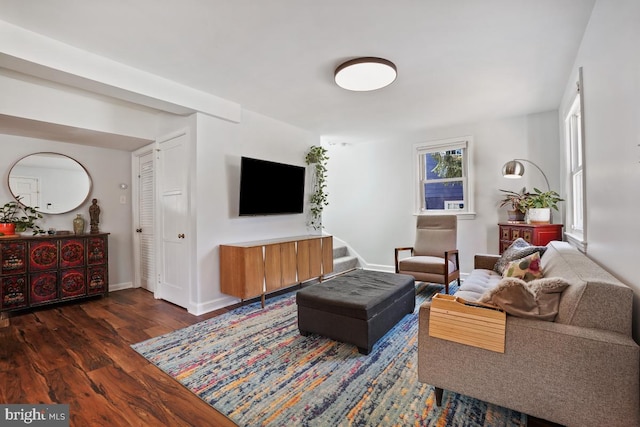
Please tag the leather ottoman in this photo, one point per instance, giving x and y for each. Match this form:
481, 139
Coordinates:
358, 307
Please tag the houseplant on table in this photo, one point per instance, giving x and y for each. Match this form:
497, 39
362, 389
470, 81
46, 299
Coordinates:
17, 218
539, 205
517, 201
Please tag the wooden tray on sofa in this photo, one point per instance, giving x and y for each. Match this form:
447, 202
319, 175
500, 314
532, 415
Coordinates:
476, 324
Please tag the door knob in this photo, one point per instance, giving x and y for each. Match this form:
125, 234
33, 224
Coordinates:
180, 236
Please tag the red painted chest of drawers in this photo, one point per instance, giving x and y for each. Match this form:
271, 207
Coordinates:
43, 270
536, 234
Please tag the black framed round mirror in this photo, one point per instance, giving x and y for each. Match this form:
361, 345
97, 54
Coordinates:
52, 183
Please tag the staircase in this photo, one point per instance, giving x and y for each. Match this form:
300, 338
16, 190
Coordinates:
342, 259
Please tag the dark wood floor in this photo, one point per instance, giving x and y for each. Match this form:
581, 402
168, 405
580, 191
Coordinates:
79, 353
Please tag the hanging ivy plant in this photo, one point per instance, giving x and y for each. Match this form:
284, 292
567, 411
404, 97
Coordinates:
317, 156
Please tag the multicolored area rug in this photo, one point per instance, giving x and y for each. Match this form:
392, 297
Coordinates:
252, 365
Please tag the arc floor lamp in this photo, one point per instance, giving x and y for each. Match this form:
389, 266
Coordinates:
515, 169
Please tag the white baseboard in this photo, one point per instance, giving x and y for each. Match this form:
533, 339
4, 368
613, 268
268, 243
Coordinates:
209, 306
380, 267
120, 286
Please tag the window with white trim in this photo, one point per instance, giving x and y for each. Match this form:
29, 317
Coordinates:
443, 176
574, 141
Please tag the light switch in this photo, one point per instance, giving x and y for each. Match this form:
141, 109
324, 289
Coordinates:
123, 199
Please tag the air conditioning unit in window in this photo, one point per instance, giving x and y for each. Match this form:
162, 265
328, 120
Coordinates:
453, 205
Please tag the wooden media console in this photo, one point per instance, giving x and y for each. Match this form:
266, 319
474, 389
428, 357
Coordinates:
252, 269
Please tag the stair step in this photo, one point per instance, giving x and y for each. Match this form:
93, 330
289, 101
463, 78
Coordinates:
340, 251
344, 263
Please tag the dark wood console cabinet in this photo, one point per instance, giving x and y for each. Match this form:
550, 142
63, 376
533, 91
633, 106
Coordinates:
536, 234
41, 270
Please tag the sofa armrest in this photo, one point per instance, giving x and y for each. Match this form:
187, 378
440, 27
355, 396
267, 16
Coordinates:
485, 261
563, 373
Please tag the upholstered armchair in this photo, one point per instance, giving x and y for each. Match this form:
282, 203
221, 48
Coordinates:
434, 256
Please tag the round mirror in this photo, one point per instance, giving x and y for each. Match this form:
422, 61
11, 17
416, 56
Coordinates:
49, 182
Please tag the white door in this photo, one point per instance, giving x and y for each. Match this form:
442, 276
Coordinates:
173, 245
144, 217
28, 189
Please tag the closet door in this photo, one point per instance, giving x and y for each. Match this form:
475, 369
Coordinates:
174, 278
144, 218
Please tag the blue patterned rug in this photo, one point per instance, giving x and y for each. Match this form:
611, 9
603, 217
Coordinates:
252, 365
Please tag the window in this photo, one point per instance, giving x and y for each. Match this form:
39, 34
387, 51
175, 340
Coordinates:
443, 176
574, 141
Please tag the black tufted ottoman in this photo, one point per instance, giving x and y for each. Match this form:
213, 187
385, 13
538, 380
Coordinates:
358, 307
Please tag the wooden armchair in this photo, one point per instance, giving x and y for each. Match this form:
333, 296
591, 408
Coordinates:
434, 256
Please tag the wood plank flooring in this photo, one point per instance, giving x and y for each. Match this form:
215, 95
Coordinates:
79, 354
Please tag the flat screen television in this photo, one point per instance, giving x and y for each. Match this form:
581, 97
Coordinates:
270, 188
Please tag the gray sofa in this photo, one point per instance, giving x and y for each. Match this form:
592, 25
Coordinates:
580, 370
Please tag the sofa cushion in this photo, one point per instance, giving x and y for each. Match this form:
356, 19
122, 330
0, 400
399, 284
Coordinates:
477, 283
425, 264
595, 299
537, 299
520, 248
527, 268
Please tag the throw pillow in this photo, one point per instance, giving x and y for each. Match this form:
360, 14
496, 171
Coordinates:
518, 249
527, 268
538, 299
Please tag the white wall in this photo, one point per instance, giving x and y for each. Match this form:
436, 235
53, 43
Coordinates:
371, 185
220, 144
215, 177
27, 97
611, 74
108, 168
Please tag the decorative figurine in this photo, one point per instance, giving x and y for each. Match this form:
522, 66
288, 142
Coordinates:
94, 215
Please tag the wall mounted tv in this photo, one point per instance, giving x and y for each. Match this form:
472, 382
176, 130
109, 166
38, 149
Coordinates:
270, 188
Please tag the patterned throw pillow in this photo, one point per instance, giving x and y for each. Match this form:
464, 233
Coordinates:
527, 268
520, 248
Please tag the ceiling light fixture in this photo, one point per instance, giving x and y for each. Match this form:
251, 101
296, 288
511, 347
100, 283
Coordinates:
365, 74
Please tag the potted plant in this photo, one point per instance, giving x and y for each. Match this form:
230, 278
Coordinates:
317, 156
517, 201
539, 205
17, 218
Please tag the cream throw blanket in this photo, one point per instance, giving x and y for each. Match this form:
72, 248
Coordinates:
537, 299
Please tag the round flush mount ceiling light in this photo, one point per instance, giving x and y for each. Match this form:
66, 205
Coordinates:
365, 74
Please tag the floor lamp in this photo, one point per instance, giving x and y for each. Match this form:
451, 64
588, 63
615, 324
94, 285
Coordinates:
515, 169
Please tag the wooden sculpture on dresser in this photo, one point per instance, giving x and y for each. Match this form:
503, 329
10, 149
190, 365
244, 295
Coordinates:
94, 215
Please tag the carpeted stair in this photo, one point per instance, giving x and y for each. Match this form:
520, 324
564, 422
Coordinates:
343, 260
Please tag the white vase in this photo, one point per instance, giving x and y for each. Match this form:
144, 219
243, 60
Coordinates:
539, 215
